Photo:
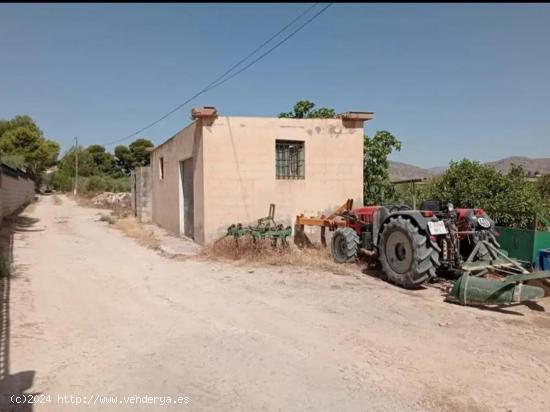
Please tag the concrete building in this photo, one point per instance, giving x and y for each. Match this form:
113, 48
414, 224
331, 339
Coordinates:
223, 169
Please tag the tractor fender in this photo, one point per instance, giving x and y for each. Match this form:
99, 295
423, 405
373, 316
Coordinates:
382, 216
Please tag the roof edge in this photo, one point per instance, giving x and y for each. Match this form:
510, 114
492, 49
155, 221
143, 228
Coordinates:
362, 116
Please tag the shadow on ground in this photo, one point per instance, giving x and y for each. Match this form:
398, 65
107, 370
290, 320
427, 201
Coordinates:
12, 385
445, 282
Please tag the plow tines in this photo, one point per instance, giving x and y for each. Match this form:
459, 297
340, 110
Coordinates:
266, 228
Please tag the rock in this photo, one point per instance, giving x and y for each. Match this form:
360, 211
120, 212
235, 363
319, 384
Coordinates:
110, 199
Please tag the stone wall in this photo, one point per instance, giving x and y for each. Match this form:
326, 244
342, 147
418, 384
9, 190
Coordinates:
141, 194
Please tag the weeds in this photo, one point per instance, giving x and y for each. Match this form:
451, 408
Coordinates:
5, 266
246, 251
132, 228
108, 218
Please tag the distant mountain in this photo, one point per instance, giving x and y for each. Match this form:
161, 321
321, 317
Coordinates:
403, 171
437, 170
541, 165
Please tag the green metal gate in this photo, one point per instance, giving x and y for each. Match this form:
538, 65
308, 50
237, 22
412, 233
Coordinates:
523, 244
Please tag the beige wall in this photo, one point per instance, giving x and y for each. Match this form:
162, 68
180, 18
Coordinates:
14, 193
238, 182
239, 178
166, 192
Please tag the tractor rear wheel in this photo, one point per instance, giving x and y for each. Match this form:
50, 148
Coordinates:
344, 245
406, 254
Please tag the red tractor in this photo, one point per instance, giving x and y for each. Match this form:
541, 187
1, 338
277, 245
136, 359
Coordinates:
414, 246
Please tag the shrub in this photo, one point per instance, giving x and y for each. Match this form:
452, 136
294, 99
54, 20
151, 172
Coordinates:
95, 184
107, 218
61, 182
121, 184
509, 199
89, 185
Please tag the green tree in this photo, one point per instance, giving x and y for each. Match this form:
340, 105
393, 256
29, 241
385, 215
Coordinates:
97, 171
133, 155
139, 153
124, 158
104, 163
19, 121
377, 186
67, 164
543, 187
23, 145
510, 199
304, 110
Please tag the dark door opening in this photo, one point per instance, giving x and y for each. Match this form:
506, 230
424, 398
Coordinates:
187, 219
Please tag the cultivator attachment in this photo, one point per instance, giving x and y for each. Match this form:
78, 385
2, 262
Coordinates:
266, 228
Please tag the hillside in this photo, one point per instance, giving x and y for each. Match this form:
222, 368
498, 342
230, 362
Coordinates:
401, 171
541, 165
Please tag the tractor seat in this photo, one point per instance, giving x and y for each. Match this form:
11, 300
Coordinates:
432, 205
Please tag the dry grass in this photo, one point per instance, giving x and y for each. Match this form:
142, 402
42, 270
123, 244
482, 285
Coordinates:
262, 253
108, 218
132, 228
57, 200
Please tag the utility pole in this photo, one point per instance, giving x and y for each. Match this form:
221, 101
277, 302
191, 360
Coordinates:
75, 165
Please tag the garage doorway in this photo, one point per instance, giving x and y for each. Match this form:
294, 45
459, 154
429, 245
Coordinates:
187, 218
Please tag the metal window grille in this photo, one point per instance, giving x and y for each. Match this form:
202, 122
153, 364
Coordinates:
289, 160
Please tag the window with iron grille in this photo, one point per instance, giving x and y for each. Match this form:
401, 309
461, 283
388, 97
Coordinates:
290, 157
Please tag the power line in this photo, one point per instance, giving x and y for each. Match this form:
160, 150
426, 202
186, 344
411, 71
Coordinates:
218, 81
260, 47
206, 88
273, 48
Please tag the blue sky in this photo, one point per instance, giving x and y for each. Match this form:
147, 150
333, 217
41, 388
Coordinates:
450, 80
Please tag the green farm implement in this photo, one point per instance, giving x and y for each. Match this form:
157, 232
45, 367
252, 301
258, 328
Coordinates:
266, 228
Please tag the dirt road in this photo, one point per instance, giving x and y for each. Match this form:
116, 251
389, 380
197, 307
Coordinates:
94, 314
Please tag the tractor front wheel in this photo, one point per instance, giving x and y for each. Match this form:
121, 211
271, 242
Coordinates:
344, 245
406, 254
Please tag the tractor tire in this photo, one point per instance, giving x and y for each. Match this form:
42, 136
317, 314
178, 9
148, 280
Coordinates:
344, 245
406, 254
